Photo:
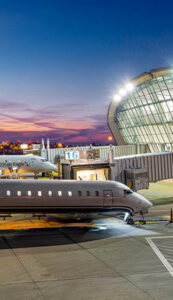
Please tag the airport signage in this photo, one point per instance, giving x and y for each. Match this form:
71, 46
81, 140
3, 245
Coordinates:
71, 155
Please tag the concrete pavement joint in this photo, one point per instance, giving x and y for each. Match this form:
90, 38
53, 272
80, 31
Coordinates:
112, 269
32, 281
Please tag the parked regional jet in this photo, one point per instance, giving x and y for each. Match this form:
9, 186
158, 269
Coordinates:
24, 164
69, 196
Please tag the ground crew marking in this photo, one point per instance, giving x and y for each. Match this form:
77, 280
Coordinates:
159, 253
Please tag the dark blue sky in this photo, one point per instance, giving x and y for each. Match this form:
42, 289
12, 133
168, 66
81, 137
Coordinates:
62, 61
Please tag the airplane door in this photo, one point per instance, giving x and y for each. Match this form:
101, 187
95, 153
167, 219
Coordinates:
107, 195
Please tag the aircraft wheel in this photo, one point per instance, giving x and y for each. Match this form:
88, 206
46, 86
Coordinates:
130, 221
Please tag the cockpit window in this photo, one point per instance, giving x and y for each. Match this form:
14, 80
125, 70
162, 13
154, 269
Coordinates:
42, 159
129, 191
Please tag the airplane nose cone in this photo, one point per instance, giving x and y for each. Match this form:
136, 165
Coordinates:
54, 168
147, 202
143, 203
51, 167
144, 200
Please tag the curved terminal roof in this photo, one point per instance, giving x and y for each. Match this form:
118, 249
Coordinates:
142, 78
146, 76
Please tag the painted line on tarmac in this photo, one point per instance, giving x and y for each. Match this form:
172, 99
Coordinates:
159, 253
151, 222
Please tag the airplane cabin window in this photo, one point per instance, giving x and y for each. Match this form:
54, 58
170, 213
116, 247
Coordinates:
18, 161
59, 193
87, 193
8, 193
79, 193
29, 193
50, 193
69, 193
19, 193
39, 193
97, 193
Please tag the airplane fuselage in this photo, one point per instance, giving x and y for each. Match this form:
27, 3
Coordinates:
69, 195
25, 164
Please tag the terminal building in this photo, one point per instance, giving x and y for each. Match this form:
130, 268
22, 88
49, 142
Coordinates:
140, 118
142, 111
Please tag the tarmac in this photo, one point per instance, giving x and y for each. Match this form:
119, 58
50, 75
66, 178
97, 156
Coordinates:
101, 258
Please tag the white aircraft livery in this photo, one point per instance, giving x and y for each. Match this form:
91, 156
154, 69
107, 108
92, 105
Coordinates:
25, 164
29, 195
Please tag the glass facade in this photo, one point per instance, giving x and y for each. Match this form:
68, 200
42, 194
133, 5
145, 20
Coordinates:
145, 115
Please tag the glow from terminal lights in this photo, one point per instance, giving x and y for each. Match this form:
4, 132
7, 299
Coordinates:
129, 86
14, 168
123, 91
117, 97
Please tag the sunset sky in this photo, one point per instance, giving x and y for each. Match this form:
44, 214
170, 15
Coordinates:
62, 61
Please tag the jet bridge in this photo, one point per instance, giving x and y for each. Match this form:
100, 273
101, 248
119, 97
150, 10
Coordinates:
140, 169
136, 171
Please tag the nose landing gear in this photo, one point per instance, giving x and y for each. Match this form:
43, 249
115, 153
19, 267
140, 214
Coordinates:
143, 221
128, 219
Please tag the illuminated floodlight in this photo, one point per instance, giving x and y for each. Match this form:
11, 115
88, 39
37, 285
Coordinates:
130, 86
122, 92
110, 138
117, 97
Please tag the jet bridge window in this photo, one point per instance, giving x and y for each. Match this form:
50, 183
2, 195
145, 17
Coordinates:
19, 193
70, 193
8, 193
29, 193
49, 193
59, 193
39, 193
